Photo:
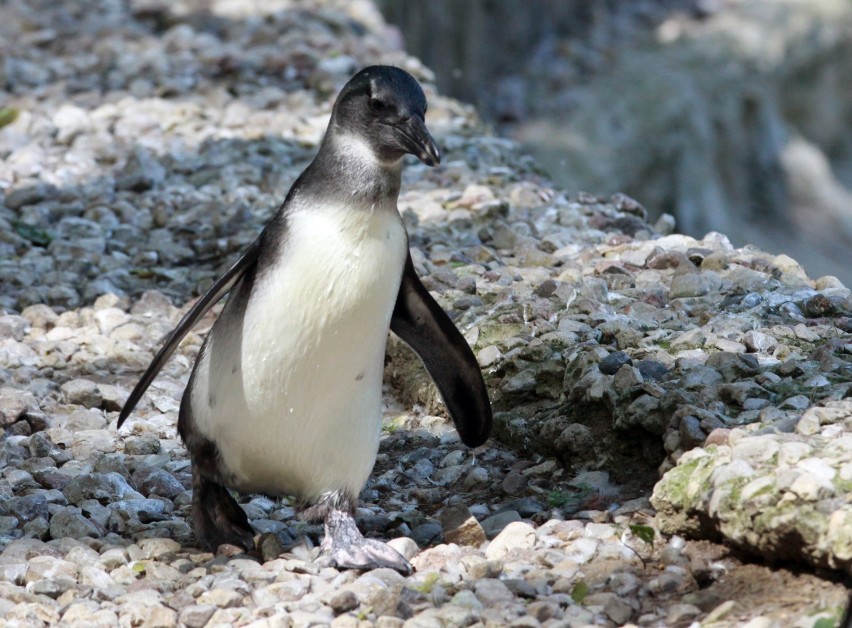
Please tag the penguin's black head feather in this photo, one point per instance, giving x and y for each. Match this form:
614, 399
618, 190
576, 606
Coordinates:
385, 107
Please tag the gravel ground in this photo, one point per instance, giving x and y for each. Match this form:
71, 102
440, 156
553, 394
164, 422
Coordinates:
145, 144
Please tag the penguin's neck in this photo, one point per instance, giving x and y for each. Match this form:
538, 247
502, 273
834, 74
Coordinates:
353, 174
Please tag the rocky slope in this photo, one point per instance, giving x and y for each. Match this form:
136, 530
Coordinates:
144, 145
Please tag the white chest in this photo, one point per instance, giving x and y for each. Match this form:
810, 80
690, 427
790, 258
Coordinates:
334, 263
296, 383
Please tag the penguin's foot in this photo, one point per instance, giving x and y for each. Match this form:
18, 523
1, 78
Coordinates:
217, 516
346, 548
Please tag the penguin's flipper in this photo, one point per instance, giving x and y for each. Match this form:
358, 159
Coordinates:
210, 298
426, 328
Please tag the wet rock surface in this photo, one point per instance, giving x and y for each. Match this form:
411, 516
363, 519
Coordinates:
150, 143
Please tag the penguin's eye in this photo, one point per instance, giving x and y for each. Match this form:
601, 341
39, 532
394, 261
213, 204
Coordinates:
377, 105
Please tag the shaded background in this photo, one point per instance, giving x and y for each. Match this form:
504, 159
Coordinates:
733, 116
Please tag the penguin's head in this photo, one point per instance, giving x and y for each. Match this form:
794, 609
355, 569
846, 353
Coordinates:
385, 107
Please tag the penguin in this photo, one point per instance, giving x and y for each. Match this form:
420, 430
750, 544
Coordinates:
284, 398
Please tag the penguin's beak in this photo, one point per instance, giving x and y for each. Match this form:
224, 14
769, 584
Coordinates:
417, 141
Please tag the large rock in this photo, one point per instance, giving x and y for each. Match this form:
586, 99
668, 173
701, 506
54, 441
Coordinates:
781, 496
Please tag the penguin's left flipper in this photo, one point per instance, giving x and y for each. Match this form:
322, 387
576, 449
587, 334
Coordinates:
421, 323
210, 298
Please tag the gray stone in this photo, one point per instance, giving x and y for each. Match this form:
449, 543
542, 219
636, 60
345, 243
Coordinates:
28, 195
616, 609
13, 326
488, 356
759, 342
81, 420
222, 598
8, 525
739, 392
691, 434
515, 483
71, 523
343, 602
26, 508
595, 481
477, 476
651, 370
152, 481
427, 533
13, 572
38, 528
141, 445
701, 377
103, 487
82, 392
158, 548
796, 402
695, 284
14, 404
614, 361
141, 172
495, 524
490, 591
196, 615
627, 379
40, 445
460, 526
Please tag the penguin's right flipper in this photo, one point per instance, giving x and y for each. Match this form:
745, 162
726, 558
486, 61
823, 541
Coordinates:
210, 298
421, 323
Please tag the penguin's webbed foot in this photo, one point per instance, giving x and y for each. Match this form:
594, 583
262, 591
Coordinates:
346, 548
217, 517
